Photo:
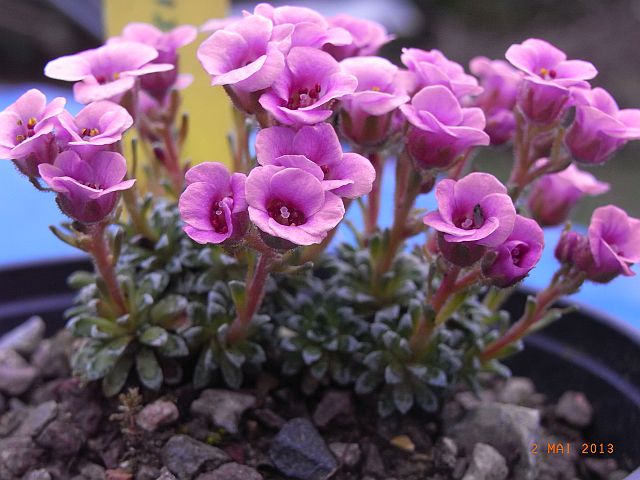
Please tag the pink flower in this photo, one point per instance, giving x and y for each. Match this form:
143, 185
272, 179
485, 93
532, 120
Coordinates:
501, 83
99, 123
554, 195
474, 209
614, 241
600, 128
26, 131
346, 174
304, 92
441, 130
433, 68
291, 203
367, 113
512, 260
107, 72
367, 37
545, 91
213, 206
88, 190
303, 27
167, 44
538, 58
242, 55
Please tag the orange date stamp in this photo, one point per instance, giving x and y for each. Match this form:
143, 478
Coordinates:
566, 448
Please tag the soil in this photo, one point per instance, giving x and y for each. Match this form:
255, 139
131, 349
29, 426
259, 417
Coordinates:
53, 427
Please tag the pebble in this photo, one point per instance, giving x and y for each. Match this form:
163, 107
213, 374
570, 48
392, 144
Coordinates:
486, 464
63, 437
16, 375
37, 419
509, 429
223, 408
403, 442
165, 474
231, 471
334, 403
575, 409
40, 474
348, 454
373, 461
299, 451
17, 454
445, 453
117, 474
156, 415
51, 357
517, 390
186, 457
24, 338
269, 418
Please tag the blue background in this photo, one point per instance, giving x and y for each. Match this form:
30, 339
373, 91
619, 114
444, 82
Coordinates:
26, 213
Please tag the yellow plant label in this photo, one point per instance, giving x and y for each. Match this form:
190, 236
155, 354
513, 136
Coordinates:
208, 107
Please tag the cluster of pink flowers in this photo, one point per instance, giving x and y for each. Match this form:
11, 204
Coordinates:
313, 85
79, 157
75, 156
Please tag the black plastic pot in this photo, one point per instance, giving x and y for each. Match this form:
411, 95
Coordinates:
584, 351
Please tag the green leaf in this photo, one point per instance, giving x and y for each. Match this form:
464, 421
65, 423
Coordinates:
367, 382
205, 368
113, 382
106, 358
386, 405
402, 397
154, 337
311, 354
148, 369
174, 347
238, 291
319, 369
393, 375
425, 398
373, 360
168, 309
231, 373
80, 279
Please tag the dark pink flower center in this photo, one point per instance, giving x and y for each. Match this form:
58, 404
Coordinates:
304, 97
547, 73
218, 219
471, 221
285, 214
517, 253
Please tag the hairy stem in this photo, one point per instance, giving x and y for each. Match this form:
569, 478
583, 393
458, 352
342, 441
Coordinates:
373, 204
102, 259
544, 300
253, 299
407, 190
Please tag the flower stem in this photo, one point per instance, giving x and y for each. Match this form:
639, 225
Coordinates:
561, 285
373, 205
102, 259
253, 298
241, 144
407, 190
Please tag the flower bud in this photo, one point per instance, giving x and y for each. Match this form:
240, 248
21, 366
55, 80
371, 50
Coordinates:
511, 261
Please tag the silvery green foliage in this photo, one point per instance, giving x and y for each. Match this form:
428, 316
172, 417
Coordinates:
331, 322
176, 291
